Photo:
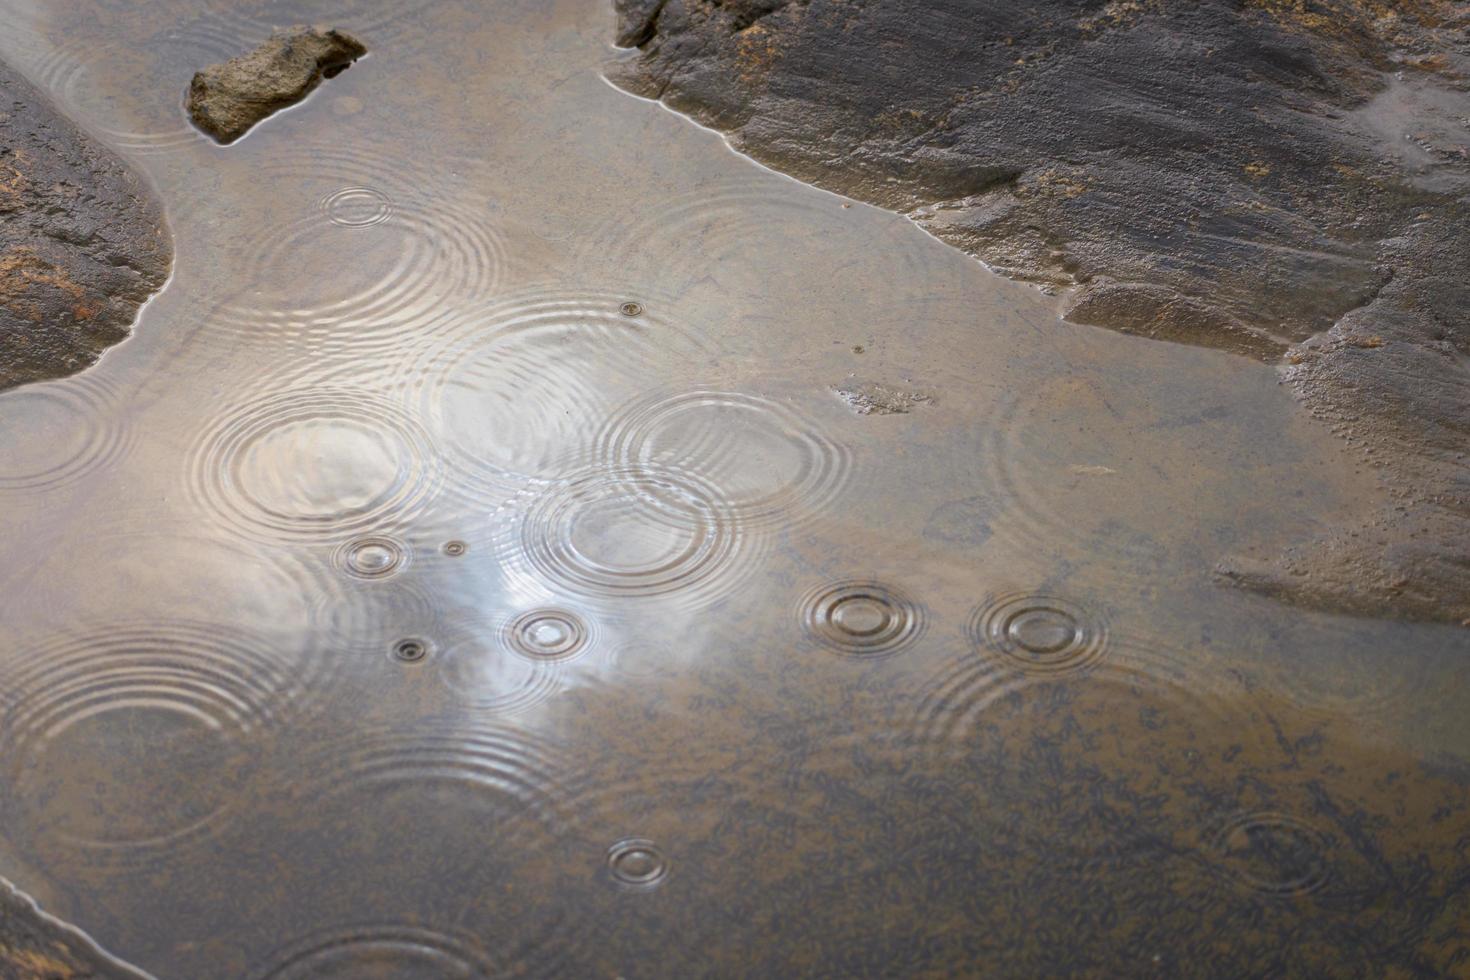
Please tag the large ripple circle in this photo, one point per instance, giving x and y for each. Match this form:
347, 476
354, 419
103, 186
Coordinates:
770, 464
319, 464
54, 434
862, 618
618, 533
385, 950
516, 390
128, 743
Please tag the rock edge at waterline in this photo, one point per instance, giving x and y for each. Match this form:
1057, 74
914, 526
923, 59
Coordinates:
228, 99
82, 241
1282, 180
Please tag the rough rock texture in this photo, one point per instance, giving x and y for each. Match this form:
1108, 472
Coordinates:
82, 242
34, 946
226, 100
1267, 177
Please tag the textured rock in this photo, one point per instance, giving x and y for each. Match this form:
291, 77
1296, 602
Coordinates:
226, 100
82, 241
35, 946
1266, 177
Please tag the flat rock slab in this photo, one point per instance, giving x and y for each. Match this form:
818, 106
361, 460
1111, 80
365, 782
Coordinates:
226, 100
1271, 178
82, 241
36, 946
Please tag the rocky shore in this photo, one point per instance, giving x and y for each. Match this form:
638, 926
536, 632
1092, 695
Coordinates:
1282, 180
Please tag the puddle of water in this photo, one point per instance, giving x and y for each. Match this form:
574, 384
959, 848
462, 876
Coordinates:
468, 568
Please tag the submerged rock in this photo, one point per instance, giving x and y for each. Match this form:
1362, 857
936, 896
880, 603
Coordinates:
876, 398
226, 100
82, 241
1265, 177
35, 946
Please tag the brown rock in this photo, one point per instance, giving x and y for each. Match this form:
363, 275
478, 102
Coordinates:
226, 100
82, 241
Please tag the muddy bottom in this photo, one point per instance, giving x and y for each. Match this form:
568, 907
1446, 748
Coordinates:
478, 563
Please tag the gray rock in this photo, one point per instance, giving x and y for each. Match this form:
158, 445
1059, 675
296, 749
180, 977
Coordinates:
82, 241
36, 946
226, 100
1266, 177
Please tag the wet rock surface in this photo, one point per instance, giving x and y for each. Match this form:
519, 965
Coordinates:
1269, 178
35, 946
226, 100
82, 241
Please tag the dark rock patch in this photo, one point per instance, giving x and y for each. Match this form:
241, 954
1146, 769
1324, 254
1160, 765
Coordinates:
35, 946
1272, 178
82, 241
226, 100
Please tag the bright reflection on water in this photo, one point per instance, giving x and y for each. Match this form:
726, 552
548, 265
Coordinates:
401, 601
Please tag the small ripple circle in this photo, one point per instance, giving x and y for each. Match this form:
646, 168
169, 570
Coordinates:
372, 558
1040, 633
862, 618
547, 634
357, 207
410, 650
637, 863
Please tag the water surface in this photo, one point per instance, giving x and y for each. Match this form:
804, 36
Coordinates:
468, 569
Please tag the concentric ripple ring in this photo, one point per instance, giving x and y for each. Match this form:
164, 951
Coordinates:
631, 532
155, 699
382, 950
771, 465
70, 429
320, 464
1039, 633
861, 619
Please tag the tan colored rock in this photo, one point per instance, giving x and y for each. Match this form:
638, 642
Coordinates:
226, 100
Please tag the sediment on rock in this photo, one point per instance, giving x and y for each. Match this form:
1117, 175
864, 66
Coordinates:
228, 99
1268, 178
82, 241
36, 946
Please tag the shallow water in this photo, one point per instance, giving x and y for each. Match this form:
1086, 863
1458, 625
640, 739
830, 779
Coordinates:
401, 599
